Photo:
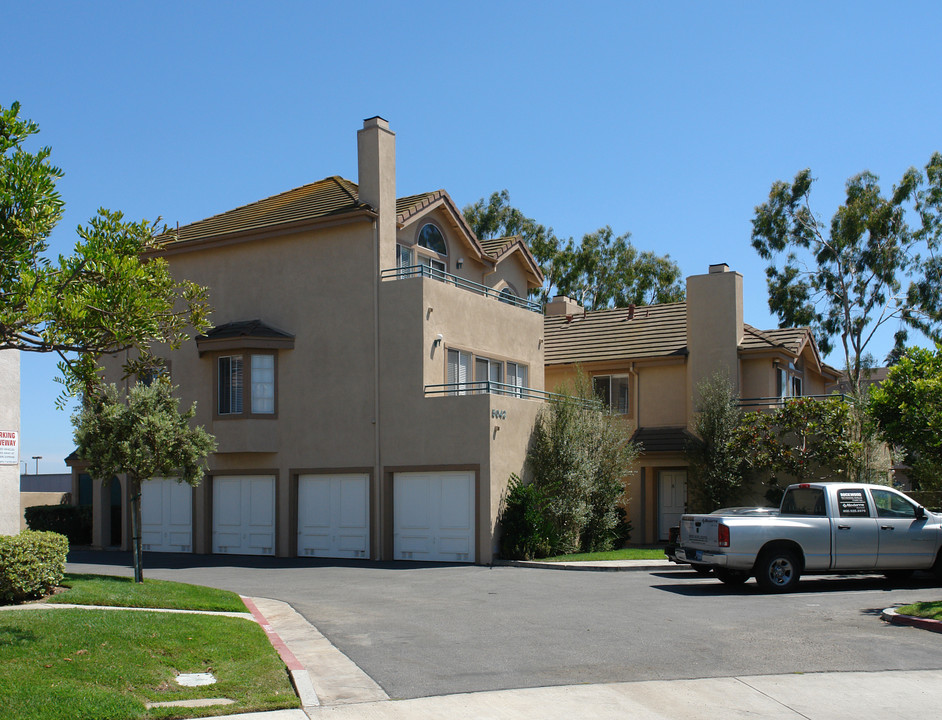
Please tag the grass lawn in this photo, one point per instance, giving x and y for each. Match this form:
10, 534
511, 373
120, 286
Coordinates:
91, 664
624, 554
124, 592
931, 610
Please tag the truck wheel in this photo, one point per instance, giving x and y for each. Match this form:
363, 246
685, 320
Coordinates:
778, 570
731, 577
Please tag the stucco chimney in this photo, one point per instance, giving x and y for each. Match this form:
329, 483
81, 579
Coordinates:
714, 325
376, 166
562, 305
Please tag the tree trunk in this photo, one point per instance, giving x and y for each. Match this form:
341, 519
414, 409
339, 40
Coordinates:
136, 554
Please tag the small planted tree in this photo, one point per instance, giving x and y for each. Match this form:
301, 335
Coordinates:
718, 467
143, 436
579, 457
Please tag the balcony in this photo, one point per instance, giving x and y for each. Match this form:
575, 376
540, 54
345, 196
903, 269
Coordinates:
488, 387
768, 403
411, 271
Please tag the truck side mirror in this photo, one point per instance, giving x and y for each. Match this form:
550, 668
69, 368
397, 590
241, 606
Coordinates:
920, 512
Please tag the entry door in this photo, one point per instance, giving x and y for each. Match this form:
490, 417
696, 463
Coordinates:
434, 516
334, 516
244, 515
672, 499
166, 515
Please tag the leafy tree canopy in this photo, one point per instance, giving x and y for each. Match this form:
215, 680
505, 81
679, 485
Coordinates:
805, 440
106, 297
877, 262
145, 436
602, 270
907, 405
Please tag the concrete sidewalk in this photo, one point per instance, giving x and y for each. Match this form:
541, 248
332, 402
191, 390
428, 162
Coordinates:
820, 696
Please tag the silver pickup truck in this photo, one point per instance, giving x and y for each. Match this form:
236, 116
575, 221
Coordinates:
820, 528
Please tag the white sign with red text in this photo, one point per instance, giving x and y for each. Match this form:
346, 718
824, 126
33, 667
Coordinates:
9, 447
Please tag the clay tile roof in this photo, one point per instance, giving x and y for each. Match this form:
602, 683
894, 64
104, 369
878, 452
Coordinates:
324, 198
654, 331
662, 439
408, 206
790, 339
495, 247
245, 328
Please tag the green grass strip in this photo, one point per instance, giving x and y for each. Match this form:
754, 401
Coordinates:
624, 554
88, 664
930, 610
124, 592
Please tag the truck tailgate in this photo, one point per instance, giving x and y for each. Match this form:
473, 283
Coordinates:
699, 531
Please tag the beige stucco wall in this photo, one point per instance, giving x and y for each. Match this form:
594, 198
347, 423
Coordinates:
663, 395
10, 422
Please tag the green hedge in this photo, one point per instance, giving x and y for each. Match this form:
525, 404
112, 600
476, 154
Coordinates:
31, 565
73, 522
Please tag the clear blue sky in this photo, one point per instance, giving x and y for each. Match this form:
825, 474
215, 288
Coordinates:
668, 120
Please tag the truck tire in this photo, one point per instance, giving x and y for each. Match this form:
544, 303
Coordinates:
731, 577
778, 570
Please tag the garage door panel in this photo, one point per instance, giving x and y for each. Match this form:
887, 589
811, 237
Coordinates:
334, 516
434, 516
166, 515
413, 501
244, 515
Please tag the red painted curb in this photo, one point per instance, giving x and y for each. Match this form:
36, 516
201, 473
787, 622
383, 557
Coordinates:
891, 616
286, 655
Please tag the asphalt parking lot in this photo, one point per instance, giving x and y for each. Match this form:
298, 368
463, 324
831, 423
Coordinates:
422, 630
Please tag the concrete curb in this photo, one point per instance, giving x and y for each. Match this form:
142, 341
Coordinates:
300, 678
602, 566
891, 616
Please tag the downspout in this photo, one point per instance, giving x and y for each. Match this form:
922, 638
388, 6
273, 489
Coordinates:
377, 478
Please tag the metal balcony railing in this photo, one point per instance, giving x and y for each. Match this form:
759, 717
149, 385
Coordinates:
747, 403
488, 387
401, 273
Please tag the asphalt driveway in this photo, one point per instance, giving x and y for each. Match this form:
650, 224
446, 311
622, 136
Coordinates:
421, 630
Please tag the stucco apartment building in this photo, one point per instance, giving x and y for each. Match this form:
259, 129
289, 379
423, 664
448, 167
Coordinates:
648, 361
372, 377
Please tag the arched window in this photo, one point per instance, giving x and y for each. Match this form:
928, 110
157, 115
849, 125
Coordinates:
430, 237
508, 296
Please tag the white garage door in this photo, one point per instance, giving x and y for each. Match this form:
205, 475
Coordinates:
244, 515
434, 516
334, 516
166, 515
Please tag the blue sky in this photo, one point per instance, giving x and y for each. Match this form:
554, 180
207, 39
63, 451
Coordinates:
668, 120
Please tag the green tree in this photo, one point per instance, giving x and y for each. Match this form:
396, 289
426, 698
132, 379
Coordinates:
144, 436
603, 270
108, 296
869, 268
907, 406
717, 466
804, 440
579, 456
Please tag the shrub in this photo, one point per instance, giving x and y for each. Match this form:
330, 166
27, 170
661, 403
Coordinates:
526, 533
73, 522
31, 565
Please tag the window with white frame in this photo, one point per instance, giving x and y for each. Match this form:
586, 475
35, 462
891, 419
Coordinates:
789, 381
263, 384
233, 376
431, 238
517, 377
404, 256
613, 391
488, 371
459, 372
